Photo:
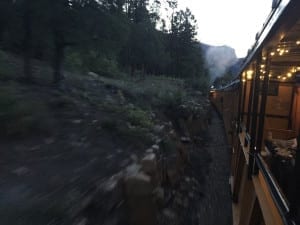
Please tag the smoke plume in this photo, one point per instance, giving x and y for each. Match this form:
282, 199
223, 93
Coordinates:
218, 59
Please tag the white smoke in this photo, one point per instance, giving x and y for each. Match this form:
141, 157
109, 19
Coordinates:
219, 59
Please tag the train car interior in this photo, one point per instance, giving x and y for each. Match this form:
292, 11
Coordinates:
270, 105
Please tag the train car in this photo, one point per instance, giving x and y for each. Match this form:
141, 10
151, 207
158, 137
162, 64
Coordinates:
225, 101
261, 114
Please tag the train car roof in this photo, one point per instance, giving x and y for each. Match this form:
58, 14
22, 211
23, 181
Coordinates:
282, 25
231, 86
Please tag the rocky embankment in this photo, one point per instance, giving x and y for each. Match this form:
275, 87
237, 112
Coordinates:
165, 185
109, 151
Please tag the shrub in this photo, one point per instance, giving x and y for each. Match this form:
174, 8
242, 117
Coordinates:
5, 69
109, 124
138, 117
138, 136
20, 116
74, 60
199, 84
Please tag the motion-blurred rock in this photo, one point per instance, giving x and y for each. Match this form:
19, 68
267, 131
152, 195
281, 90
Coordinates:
158, 129
149, 164
159, 195
138, 184
169, 213
21, 171
141, 207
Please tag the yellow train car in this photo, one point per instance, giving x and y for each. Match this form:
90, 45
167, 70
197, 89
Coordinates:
261, 114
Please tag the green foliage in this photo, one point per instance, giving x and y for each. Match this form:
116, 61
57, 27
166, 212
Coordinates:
20, 117
91, 61
5, 69
169, 99
138, 117
103, 66
61, 101
109, 124
108, 37
134, 115
168, 145
157, 91
139, 136
130, 123
187, 61
199, 83
74, 60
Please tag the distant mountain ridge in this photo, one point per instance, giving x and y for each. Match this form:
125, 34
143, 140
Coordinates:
220, 59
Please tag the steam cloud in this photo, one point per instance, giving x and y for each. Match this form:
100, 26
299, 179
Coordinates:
219, 59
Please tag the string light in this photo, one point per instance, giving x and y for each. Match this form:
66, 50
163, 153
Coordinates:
281, 52
249, 74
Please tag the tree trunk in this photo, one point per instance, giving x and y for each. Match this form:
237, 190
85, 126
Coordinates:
132, 69
58, 62
27, 44
58, 58
1, 31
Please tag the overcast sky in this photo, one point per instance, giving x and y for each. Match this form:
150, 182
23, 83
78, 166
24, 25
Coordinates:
229, 22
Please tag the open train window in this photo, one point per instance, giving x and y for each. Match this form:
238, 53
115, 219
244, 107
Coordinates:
280, 144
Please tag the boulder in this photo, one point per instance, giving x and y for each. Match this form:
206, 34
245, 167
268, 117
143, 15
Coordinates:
182, 155
134, 158
93, 75
149, 164
185, 139
149, 150
138, 184
155, 148
159, 195
132, 169
139, 199
158, 129
169, 214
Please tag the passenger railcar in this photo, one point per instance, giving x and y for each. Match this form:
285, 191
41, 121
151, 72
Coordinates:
261, 114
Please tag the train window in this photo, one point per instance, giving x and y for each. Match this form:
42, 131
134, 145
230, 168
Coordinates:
280, 144
280, 157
